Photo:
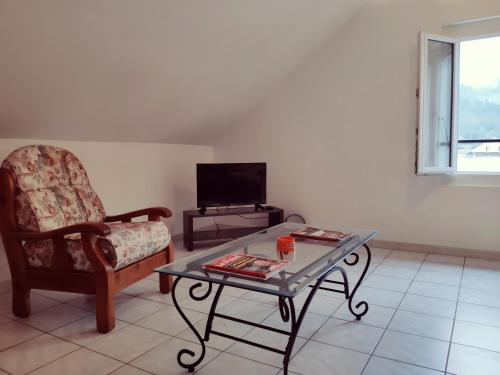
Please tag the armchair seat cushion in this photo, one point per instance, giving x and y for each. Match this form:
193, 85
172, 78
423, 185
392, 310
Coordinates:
127, 244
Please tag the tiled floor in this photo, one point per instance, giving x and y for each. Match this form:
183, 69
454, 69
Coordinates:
429, 315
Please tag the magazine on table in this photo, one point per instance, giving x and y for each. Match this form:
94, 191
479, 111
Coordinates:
322, 234
247, 265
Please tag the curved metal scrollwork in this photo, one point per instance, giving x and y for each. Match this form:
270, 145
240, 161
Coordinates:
353, 262
362, 306
190, 366
205, 294
284, 310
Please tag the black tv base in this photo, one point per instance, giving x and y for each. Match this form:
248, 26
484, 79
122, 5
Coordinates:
193, 238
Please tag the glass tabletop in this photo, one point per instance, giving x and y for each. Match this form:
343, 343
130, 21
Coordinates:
312, 260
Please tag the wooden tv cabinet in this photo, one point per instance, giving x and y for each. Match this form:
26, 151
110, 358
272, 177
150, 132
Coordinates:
275, 217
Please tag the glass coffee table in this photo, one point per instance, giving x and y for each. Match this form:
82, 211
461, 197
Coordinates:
314, 262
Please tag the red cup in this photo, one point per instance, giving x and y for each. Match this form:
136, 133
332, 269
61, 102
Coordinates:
285, 244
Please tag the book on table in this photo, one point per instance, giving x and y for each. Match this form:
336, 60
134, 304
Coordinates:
246, 265
322, 234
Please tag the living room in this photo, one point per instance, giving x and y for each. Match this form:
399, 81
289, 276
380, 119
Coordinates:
379, 119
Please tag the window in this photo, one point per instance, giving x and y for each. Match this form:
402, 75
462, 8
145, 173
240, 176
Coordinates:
459, 112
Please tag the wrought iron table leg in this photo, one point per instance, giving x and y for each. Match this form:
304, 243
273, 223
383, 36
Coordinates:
192, 365
363, 305
297, 322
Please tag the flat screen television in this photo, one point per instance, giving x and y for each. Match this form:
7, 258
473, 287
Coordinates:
226, 184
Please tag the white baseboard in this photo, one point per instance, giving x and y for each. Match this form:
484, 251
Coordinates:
445, 250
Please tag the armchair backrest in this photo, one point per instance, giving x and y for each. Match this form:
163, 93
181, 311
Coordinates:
52, 189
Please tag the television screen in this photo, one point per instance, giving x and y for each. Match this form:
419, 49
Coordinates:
228, 184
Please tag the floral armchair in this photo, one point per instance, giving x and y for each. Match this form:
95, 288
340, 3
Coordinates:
57, 236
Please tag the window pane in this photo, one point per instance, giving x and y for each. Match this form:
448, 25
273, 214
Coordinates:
438, 105
479, 106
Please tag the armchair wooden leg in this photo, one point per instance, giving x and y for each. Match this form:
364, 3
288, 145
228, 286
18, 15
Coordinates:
105, 310
21, 305
166, 282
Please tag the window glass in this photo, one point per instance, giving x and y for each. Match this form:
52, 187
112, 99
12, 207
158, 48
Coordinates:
438, 108
479, 106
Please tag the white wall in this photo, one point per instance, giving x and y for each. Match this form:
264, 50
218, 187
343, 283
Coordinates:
339, 137
170, 71
129, 176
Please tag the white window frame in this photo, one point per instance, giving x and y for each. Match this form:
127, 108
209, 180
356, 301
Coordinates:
422, 99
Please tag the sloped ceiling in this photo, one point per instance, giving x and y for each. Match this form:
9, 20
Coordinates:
173, 71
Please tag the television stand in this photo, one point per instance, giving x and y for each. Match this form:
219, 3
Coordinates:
258, 207
274, 217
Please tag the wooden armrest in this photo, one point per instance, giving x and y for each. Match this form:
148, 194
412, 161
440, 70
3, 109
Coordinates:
152, 211
99, 229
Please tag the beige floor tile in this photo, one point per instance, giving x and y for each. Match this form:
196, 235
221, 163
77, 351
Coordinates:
409, 256
309, 326
393, 271
379, 297
423, 325
438, 278
129, 370
402, 263
166, 299
234, 292
321, 304
227, 364
272, 339
441, 291
478, 314
477, 335
4, 320
416, 350
202, 306
38, 303
383, 366
169, 321
80, 362
55, 317
379, 254
150, 290
248, 310
14, 333
481, 283
387, 283
34, 353
261, 297
480, 297
127, 343
136, 309
5, 286
446, 268
445, 259
142, 286
377, 316
359, 337
352, 277
84, 331
58, 296
319, 359
87, 302
465, 360
482, 267
162, 360
220, 325
428, 305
